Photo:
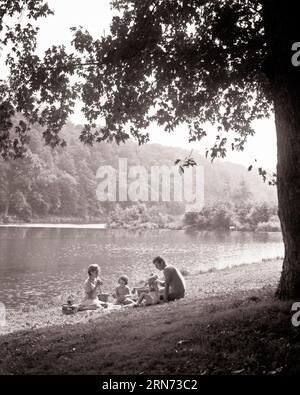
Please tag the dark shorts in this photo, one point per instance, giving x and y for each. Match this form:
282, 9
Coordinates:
173, 296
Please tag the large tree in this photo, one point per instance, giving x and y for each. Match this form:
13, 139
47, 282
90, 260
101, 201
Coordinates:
171, 62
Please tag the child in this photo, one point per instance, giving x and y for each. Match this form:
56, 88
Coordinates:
122, 292
151, 297
92, 288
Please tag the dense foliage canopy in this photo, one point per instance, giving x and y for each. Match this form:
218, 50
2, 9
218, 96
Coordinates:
170, 62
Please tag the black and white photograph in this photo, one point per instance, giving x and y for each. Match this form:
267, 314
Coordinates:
149, 190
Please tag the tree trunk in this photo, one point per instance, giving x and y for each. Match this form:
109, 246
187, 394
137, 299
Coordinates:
6, 208
281, 28
287, 118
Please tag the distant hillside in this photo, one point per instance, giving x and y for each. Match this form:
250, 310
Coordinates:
223, 180
62, 182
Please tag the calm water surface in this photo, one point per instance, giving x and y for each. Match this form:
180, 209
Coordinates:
42, 263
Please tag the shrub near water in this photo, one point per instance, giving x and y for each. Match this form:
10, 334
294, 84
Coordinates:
223, 216
139, 216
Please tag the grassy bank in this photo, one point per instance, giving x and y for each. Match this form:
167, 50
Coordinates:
52, 220
229, 323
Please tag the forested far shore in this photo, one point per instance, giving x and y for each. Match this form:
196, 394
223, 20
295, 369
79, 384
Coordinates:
59, 185
219, 216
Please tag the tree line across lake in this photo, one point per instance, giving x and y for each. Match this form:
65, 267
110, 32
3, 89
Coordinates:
60, 184
218, 216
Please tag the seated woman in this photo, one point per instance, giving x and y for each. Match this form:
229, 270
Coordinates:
92, 288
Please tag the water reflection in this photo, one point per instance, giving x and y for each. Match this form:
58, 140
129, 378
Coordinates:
47, 262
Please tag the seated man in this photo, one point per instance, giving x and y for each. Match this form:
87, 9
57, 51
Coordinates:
174, 284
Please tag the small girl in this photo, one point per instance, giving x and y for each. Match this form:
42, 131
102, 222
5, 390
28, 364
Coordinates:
92, 288
151, 297
122, 292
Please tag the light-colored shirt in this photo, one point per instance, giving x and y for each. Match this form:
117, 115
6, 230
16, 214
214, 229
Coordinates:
175, 279
91, 289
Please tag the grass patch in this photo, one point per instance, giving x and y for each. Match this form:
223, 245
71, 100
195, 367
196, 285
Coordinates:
228, 323
218, 336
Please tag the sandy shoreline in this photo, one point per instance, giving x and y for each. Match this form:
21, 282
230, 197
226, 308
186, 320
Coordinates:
242, 278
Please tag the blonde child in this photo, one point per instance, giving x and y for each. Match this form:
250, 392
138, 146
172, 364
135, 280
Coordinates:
151, 297
92, 288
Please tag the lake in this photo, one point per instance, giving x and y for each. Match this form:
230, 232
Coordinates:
43, 263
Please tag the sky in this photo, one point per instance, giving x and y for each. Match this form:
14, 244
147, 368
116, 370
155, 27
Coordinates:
95, 16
